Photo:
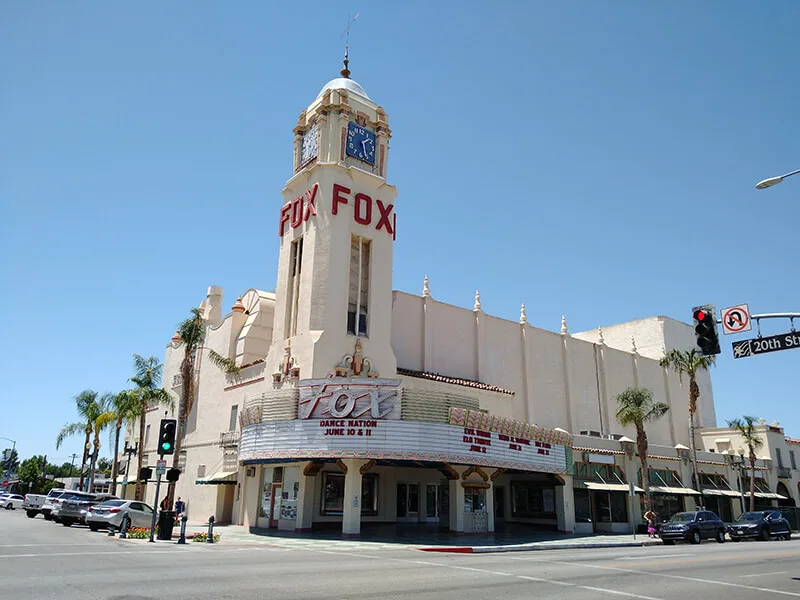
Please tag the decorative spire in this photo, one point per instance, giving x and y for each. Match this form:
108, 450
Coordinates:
563, 325
346, 72
600, 339
477, 300
176, 338
426, 289
523, 316
238, 307
633, 345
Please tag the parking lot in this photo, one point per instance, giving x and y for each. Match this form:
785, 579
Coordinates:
40, 559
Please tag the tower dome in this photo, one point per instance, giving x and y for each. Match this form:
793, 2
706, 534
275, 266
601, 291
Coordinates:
346, 83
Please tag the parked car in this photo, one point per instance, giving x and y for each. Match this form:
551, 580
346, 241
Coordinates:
693, 527
74, 509
11, 501
33, 504
761, 525
58, 503
47, 506
111, 512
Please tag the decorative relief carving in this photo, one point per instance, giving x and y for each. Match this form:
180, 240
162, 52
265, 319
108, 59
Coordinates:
288, 367
355, 364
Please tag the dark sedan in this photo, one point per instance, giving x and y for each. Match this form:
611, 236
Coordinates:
693, 527
762, 525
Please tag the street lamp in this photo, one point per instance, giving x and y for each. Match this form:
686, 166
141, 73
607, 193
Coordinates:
13, 442
129, 451
765, 183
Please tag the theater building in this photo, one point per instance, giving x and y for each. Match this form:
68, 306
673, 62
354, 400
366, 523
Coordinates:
356, 405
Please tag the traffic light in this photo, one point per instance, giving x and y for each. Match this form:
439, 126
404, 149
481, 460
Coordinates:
705, 329
145, 473
173, 475
166, 436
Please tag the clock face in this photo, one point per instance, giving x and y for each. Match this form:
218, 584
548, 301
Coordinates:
361, 143
310, 145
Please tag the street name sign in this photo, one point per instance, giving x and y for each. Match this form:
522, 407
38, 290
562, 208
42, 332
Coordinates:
735, 319
763, 345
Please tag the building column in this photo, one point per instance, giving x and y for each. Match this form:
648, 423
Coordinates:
351, 518
305, 503
490, 505
456, 504
565, 505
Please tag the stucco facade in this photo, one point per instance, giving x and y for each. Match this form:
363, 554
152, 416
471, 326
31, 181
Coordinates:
358, 404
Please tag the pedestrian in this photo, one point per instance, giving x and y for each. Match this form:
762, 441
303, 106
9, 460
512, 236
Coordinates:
651, 518
179, 506
164, 503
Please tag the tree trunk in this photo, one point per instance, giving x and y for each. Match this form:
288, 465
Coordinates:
641, 444
85, 455
694, 392
184, 406
139, 493
114, 469
752, 480
94, 460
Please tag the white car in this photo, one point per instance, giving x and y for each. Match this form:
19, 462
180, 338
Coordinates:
111, 513
11, 501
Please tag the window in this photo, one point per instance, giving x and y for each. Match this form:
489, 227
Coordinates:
599, 472
293, 287
791, 459
147, 434
713, 480
530, 499
333, 494
474, 499
662, 477
583, 506
234, 415
358, 298
778, 458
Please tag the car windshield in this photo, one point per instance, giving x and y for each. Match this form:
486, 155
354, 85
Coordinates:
752, 516
682, 518
112, 503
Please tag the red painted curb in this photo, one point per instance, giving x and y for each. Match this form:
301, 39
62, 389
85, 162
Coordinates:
459, 549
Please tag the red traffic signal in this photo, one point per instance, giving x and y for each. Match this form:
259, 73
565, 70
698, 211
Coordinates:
705, 329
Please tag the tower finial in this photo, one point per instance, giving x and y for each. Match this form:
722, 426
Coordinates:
477, 300
426, 289
633, 345
346, 72
563, 325
600, 339
523, 316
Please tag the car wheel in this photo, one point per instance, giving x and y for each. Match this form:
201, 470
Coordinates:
66, 522
94, 527
736, 539
695, 538
764, 535
788, 536
7, 506
31, 514
721, 536
48, 518
669, 542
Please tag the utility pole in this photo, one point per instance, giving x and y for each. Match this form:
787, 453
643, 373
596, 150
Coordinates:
44, 469
72, 464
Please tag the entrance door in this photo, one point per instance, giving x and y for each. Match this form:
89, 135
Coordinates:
408, 501
275, 505
432, 503
499, 503
444, 504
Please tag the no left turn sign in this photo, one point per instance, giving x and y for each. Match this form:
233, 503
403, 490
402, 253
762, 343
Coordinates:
736, 319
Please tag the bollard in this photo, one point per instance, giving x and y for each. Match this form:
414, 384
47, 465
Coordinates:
210, 539
110, 531
126, 522
182, 539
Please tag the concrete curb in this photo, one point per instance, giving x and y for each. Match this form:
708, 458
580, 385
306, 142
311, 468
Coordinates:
535, 547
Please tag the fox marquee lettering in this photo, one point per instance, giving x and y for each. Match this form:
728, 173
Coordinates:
366, 210
359, 403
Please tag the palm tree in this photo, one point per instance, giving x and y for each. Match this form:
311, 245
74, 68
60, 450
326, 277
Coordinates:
192, 333
88, 411
689, 362
635, 407
149, 394
747, 429
125, 407
103, 419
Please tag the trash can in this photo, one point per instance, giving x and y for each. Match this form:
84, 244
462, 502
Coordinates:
166, 521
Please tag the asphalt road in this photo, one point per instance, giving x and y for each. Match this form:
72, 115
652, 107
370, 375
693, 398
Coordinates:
41, 560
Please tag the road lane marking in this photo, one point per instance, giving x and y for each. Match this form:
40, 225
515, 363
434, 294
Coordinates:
765, 574
697, 579
617, 592
660, 563
48, 545
651, 556
106, 553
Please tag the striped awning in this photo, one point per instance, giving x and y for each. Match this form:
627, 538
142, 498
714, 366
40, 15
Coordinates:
218, 478
719, 492
673, 491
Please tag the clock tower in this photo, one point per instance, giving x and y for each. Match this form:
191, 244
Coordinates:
337, 227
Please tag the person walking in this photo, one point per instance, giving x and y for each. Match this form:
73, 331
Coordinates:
179, 507
164, 503
651, 518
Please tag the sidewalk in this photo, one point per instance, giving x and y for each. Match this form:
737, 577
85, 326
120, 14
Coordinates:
471, 544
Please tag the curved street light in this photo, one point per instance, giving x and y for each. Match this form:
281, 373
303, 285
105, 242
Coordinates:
765, 183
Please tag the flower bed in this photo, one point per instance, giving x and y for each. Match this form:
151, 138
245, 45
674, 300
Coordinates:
140, 533
202, 536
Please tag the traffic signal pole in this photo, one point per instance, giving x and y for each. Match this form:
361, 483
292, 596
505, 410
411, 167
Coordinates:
155, 503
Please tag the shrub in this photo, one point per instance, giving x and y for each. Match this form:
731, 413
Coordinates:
139, 533
202, 536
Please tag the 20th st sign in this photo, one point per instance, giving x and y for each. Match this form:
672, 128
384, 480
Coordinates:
763, 345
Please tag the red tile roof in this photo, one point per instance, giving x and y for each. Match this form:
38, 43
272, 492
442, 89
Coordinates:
596, 450
792, 440
454, 380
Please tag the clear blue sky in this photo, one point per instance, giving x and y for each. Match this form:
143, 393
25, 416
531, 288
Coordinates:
595, 159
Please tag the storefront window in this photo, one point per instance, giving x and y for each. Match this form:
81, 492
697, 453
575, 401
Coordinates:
474, 499
333, 494
612, 507
583, 506
664, 505
532, 500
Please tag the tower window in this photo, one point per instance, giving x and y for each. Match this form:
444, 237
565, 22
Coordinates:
293, 287
358, 298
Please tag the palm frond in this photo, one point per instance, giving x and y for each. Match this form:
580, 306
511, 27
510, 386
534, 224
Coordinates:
104, 420
68, 431
228, 365
84, 401
192, 331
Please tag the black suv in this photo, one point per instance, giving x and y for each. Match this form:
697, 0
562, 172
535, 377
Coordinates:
693, 527
761, 524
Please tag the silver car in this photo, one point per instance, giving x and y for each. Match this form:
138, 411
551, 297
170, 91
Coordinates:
111, 512
11, 501
59, 502
75, 509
